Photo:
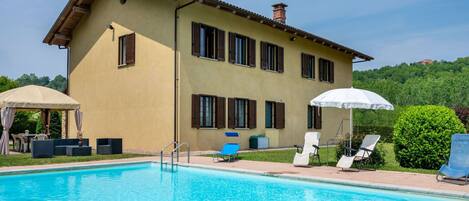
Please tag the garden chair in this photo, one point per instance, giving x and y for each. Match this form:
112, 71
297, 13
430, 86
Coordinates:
229, 151
457, 167
41, 137
16, 142
24, 143
309, 149
362, 154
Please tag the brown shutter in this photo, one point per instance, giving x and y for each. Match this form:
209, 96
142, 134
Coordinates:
321, 69
130, 49
231, 113
279, 115
252, 52
221, 45
331, 72
195, 111
304, 67
252, 114
280, 59
220, 112
313, 69
195, 39
263, 55
232, 46
317, 117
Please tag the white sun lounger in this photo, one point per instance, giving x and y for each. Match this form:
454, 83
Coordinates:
310, 148
366, 148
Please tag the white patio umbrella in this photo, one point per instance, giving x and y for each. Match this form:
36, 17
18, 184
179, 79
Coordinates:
350, 98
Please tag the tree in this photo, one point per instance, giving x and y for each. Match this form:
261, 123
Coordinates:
59, 83
6, 84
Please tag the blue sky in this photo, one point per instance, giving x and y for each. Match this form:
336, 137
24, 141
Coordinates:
392, 31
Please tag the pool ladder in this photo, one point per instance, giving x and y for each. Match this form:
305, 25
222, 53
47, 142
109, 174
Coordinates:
174, 152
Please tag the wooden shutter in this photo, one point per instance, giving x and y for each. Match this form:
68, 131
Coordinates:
220, 112
263, 55
279, 115
252, 114
220, 45
231, 113
280, 59
321, 69
195, 111
331, 72
232, 47
313, 64
317, 117
304, 65
251, 52
195, 39
130, 49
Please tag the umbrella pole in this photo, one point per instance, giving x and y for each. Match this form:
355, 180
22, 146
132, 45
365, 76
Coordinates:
351, 131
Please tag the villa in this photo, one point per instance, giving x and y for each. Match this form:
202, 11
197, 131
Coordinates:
153, 72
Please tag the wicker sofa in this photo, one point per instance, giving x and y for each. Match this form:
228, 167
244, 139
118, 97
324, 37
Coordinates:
60, 145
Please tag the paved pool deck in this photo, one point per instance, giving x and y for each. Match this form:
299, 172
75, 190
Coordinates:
381, 179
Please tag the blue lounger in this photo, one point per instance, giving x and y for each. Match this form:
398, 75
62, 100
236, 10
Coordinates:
457, 166
229, 151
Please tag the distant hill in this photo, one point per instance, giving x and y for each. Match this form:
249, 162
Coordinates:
440, 83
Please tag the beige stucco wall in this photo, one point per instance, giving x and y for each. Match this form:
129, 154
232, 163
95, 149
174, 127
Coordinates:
136, 102
203, 76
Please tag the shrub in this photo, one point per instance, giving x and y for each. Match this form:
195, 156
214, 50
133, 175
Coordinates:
385, 132
376, 158
422, 136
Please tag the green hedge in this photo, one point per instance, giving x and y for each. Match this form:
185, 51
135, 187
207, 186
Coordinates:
376, 158
422, 136
385, 132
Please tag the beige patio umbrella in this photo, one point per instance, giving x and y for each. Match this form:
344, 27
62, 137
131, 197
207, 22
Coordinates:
29, 98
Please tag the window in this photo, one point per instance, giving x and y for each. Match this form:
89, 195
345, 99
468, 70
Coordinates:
314, 117
208, 38
126, 50
326, 70
310, 117
208, 42
271, 57
242, 50
208, 111
270, 114
122, 49
307, 66
241, 113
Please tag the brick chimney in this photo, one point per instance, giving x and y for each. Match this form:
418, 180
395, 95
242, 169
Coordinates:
280, 13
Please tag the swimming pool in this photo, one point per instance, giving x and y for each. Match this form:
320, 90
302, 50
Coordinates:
147, 182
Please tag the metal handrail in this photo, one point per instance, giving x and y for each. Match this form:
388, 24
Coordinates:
177, 150
164, 148
177, 147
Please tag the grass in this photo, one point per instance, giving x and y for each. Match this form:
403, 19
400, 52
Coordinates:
286, 156
26, 159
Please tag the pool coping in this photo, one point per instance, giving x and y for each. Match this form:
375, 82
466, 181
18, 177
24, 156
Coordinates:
369, 185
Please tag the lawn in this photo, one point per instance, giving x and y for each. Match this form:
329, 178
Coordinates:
26, 159
286, 156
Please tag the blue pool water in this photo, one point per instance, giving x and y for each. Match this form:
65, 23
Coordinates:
148, 182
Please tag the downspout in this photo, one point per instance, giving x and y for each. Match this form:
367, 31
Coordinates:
176, 67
